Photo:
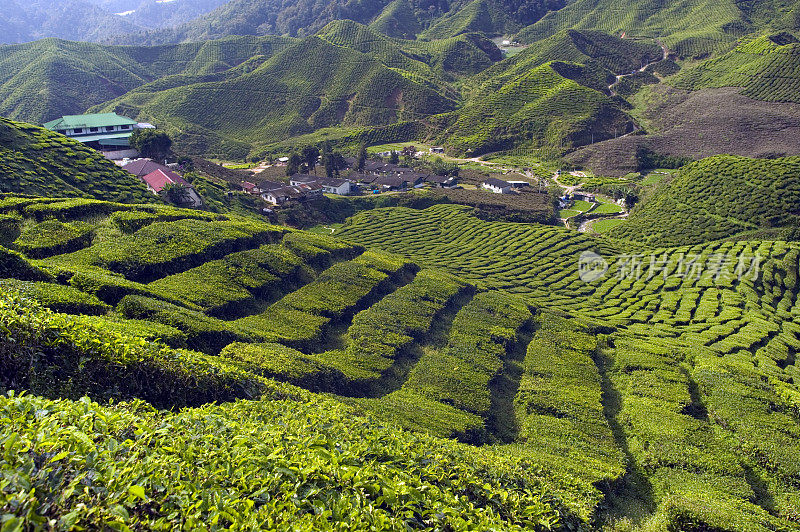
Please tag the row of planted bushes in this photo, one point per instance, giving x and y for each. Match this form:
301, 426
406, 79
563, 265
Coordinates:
236, 285
374, 341
300, 318
163, 248
57, 355
481, 336
289, 462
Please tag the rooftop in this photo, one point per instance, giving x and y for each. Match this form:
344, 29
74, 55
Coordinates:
142, 167
494, 182
92, 120
159, 179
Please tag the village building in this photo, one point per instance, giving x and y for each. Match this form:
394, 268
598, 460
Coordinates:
498, 186
302, 179
108, 133
332, 185
279, 196
158, 180
249, 187
266, 186
142, 167
442, 181
390, 183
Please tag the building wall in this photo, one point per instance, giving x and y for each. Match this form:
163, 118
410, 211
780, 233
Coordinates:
120, 154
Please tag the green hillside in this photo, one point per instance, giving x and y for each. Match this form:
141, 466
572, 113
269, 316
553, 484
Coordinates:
398, 20
652, 402
540, 107
310, 85
401, 19
22, 21
603, 56
677, 372
767, 68
46, 79
294, 454
36, 161
690, 28
716, 198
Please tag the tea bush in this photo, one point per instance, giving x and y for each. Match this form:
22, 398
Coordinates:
52, 237
306, 464
56, 355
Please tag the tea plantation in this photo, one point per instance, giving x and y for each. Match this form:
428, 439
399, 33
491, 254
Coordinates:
694, 386
169, 368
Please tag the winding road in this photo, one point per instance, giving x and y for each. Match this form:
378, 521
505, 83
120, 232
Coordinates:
620, 77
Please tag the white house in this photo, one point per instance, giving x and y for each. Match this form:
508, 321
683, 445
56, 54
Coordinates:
331, 185
498, 186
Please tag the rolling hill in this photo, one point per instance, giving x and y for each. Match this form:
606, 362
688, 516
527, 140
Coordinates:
565, 384
766, 68
404, 18
689, 28
79, 20
338, 78
720, 197
46, 79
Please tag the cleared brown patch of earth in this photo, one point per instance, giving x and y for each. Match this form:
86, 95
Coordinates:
700, 124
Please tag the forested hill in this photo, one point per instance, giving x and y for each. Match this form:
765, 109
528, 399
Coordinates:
305, 17
80, 20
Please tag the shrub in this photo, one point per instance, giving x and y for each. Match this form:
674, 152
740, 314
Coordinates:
237, 284
204, 333
52, 237
72, 209
169, 247
291, 458
12, 264
58, 298
59, 356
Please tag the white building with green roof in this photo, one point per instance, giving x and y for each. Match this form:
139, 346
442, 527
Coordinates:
105, 132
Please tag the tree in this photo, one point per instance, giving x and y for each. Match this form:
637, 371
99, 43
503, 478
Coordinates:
295, 162
151, 143
362, 158
186, 163
175, 193
440, 167
333, 163
394, 157
310, 155
409, 151
630, 200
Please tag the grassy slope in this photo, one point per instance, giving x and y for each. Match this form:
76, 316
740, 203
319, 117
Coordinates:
687, 349
765, 69
36, 161
43, 80
689, 28
297, 92
716, 198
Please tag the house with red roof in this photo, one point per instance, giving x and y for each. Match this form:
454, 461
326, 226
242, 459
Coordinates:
142, 167
159, 179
